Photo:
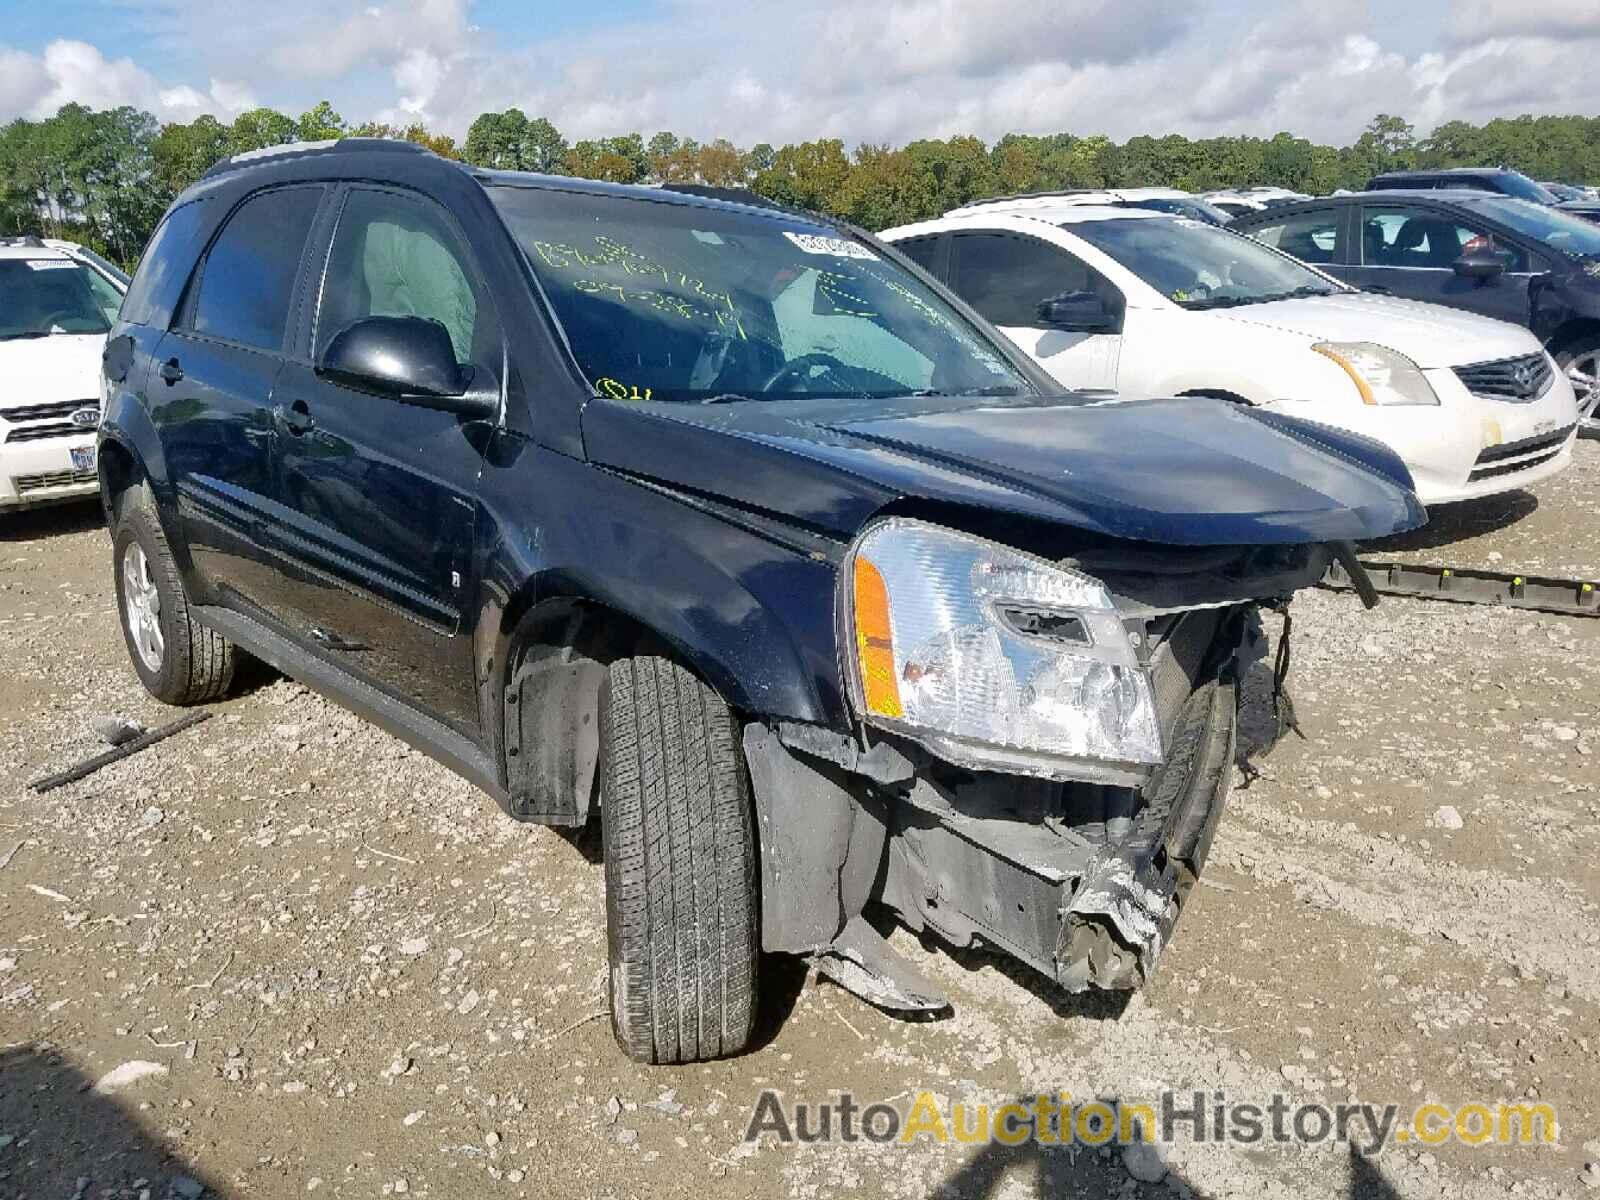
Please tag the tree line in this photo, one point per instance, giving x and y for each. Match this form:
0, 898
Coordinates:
105, 177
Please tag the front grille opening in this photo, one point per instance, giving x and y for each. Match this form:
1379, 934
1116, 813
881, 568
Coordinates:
1519, 380
45, 480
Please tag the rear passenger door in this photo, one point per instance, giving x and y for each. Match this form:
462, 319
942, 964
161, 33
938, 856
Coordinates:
1409, 250
1005, 276
378, 497
211, 390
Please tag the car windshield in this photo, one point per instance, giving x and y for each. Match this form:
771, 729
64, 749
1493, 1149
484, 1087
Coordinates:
1523, 188
1560, 231
44, 296
692, 303
1200, 266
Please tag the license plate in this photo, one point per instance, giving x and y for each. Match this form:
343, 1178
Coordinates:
82, 458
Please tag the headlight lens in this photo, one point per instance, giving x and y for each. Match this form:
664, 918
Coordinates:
995, 659
1381, 375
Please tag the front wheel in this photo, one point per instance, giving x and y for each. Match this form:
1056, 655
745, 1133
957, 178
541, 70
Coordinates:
680, 855
1582, 365
178, 660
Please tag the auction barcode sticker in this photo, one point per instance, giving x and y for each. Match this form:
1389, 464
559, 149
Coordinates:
50, 264
814, 243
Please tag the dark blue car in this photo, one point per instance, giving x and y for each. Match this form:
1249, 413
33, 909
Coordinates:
722, 523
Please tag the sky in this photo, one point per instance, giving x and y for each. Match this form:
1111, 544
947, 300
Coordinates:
779, 71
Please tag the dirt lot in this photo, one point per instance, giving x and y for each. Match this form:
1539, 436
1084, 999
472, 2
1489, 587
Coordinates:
362, 980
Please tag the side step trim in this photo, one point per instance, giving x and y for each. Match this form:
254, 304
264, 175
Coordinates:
439, 742
1468, 585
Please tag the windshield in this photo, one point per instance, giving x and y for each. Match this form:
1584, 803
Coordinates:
678, 302
1560, 231
1514, 184
1201, 266
44, 296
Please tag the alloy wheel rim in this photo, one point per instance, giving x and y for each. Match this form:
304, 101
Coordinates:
1584, 372
141, 603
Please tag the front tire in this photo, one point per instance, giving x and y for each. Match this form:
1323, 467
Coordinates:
680, 861
1581, 363
178, 660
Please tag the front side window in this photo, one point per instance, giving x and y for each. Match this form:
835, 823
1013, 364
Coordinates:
924, 251
1424, 238
249, 272
166, 258
1560, 231
678, 302
40, 297
1006, 276
396, 256
1311, 237
1200, 266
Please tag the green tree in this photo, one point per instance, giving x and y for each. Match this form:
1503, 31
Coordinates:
258, 129
320, 124
808, 175
183, 152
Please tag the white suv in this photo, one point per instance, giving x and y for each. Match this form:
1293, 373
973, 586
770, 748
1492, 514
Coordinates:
1148, 305
57, 302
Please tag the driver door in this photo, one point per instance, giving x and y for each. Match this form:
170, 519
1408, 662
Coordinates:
1409, 250
1005, 276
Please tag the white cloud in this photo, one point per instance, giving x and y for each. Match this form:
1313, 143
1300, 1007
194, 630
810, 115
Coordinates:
72, 71
773, 70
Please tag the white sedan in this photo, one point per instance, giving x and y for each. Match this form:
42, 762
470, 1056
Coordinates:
1150, 305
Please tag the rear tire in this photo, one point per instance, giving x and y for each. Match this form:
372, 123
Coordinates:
178, 660
680, 861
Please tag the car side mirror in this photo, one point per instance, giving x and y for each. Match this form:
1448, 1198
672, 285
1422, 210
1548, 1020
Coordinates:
1078, 312
1479, 265
409, 359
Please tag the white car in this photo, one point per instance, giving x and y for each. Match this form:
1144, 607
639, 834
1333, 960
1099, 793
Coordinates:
1158, 199
1149, 305
57, 302
1238, 201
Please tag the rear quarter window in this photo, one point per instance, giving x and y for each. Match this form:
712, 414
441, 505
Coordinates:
164, 266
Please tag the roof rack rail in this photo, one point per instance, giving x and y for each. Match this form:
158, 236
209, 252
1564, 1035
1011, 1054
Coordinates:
298, 149
30, 240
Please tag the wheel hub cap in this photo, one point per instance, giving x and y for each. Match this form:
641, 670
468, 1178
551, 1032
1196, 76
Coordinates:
141, 604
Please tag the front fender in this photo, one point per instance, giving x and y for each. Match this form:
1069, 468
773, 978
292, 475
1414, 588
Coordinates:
749, 610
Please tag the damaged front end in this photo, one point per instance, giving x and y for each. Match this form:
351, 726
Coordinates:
1053, 793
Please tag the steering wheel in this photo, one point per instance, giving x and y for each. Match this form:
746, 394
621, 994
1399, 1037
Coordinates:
799, 369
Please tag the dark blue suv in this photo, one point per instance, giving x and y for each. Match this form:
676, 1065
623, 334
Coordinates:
1513, 259
726, 525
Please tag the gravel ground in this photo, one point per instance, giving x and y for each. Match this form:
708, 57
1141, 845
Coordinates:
351, 975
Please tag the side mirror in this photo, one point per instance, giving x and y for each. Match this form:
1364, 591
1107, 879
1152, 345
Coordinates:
409, 359
1078, 312
1479, 265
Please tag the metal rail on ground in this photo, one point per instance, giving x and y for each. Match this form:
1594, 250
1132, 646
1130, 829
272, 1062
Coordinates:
1469, 585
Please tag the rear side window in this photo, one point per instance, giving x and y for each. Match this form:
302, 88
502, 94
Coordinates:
1311, 237
166, 262
1005, 277
924, 251
249, 272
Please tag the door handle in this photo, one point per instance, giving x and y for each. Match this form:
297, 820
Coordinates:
296, 418
171, 371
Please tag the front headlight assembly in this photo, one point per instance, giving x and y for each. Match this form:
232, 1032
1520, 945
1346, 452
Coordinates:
1382, 376
994, 659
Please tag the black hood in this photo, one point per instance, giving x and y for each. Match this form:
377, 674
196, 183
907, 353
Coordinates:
1181, 471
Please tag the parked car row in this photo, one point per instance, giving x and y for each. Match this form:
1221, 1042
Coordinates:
829, 570
1146, 305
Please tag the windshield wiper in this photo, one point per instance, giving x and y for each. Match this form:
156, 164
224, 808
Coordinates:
1298, 293
26, 333
726, 398
993, 389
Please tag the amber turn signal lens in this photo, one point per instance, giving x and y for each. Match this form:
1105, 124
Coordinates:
875, 642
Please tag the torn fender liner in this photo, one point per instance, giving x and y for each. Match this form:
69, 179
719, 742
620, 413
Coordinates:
822, 842
861, 962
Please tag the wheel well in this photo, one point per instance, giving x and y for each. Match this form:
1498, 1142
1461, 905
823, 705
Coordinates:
1216, 394
1574, 333
555, 670
118, 472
